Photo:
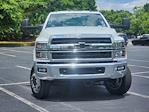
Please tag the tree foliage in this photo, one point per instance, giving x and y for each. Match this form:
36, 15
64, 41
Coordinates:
139, 19
10, 17
12, 13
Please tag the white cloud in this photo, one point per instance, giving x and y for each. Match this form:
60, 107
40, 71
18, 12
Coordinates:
107, 5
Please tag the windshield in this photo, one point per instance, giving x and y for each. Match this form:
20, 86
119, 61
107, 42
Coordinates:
73, 19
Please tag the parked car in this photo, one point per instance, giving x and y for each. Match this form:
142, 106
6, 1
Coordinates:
124, 36
144, 40
140, 36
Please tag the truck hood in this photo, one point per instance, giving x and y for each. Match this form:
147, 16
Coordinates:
49, 33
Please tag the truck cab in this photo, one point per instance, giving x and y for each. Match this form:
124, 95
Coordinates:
79, 45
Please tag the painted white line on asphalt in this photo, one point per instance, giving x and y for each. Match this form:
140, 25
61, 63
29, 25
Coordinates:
147, 77
17, 83
140, 73
27, 48
26, 68
137, 94
139, 66
72, 107
25, 101
138, 60
4, 54
16, 51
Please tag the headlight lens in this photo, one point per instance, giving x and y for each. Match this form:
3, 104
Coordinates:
42, 54
120, 50
119, 53
119, 45
42, 51
42, 46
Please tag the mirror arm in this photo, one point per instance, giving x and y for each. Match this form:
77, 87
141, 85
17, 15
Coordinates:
28, 28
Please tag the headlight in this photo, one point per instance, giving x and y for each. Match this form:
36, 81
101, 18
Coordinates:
42, 54
42, 51
42, 46
119, 45
119, 53
120, 50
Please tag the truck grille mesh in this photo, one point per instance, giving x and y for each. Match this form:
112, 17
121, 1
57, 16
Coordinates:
78, 55
77, 40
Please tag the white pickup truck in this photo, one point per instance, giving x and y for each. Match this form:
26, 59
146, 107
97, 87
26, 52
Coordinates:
79, 45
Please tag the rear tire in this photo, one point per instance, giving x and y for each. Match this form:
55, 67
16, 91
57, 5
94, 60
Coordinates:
40, 88
121, 85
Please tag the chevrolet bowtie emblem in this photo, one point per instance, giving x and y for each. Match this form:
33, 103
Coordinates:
81, 45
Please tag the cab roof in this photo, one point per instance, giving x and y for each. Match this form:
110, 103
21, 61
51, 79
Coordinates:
61, 12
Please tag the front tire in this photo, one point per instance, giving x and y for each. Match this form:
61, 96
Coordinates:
121, 85
40, 88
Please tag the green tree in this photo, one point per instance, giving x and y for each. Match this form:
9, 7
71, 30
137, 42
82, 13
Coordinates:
12, 12
11, 16
139, 19
146, 7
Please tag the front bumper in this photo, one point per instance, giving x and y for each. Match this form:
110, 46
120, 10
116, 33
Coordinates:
53, 71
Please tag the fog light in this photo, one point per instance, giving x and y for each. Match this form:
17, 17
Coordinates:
42, 70
120, 68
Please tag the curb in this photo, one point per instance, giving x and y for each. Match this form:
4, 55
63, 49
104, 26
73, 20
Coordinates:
15, 44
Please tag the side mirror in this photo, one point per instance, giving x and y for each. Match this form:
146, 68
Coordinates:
25, 23
27, 29
125, 24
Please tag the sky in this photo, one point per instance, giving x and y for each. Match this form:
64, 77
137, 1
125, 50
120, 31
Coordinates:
120, 4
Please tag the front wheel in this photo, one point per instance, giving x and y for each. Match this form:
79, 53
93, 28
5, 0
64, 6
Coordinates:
121, 85
40, 88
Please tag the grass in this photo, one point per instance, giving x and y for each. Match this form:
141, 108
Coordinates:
15, 44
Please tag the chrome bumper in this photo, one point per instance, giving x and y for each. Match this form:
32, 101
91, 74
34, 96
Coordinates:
53, 71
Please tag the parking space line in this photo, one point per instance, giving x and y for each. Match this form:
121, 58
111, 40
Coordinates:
25, 101
17, 83
30, 103
140, 73
140, 95
8, 55
138, 66
16, 51
26, 68
27, 48
138, 60
147, 77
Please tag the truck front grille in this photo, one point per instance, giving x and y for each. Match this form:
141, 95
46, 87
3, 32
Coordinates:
82, 48
81, 55
77, 40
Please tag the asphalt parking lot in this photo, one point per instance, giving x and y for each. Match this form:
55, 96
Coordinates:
16, 96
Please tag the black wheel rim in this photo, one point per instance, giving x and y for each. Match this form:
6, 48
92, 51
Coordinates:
35, 83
